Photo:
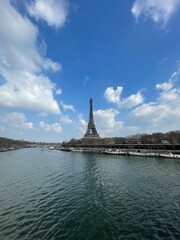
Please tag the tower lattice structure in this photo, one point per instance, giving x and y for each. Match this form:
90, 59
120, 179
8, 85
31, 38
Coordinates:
91, 128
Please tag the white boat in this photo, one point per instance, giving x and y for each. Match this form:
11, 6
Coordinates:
115, 152
51, 148
137, 154
76, 150
169, 155
152, 154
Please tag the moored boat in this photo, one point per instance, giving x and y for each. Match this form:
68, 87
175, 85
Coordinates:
169, 155
137, 154
51, 148
150, 154
115, 152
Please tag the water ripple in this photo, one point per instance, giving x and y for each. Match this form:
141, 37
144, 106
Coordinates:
55, 195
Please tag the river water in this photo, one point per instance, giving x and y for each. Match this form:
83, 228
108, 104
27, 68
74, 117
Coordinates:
65, 195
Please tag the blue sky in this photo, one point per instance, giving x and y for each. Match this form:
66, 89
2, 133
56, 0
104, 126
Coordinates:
56, 54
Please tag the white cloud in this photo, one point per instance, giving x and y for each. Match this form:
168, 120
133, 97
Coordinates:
28, 91
168, 91
67, 107
58, 91
86, 80
56, 127
2, 129
164, 114
108, 124
17, 120
18, 42
160, 11
114, 96
42, 114
49, 64
21, 65
170, 96
82, 124
164, 86
53, 12
157, 117
106, 121
132, 100
65, 119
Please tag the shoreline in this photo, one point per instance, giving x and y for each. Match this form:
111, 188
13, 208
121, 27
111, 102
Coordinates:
120, 152
159, 154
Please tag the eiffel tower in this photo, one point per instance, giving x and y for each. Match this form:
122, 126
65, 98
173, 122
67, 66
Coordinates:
91, 129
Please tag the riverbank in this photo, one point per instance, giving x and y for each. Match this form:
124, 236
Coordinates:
132, 152
10, 149
138, 153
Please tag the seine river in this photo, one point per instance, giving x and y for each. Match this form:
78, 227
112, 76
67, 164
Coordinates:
64, 195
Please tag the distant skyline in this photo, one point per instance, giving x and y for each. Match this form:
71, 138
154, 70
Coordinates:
55, 55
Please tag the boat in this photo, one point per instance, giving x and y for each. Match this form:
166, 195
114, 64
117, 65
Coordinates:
76, 150
115, 152
150, 154
138, 154
51, 148
169, 155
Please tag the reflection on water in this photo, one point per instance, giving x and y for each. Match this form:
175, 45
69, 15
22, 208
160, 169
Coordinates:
66, 195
